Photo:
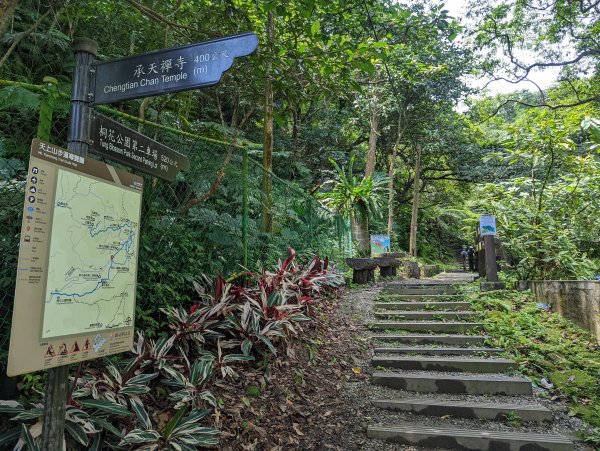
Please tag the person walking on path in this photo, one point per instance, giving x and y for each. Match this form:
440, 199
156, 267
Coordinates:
464, 256
471, 255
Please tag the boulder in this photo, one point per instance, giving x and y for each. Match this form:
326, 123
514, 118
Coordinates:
411, 269
430, 270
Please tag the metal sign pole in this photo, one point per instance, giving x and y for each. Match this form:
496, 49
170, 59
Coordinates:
58, 378
245, 207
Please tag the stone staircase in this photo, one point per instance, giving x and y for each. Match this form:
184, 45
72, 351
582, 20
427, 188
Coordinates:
431, 353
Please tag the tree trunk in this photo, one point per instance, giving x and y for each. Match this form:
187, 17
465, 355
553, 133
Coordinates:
360, 233
295, 124
266, 224
7, 11
412, 248
373, 135
391, 177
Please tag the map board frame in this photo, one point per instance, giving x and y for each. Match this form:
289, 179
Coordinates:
487, 225
29, 351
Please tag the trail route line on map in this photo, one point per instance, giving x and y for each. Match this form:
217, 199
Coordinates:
93, 257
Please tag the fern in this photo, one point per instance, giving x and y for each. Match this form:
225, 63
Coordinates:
20, 99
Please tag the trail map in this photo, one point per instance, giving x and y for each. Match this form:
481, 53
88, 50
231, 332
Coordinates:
93, 257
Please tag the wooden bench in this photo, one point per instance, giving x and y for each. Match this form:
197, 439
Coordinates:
363, 269
388, 266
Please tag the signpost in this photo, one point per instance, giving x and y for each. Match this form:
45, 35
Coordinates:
58, 378
117, 142
54, 323
487, 229
168, 70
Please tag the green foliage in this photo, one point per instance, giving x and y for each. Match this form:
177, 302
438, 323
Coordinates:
547, 346
353, 196
546, 214
116, 402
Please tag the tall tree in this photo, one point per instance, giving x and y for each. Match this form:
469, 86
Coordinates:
267, 182
521, 38
414, 220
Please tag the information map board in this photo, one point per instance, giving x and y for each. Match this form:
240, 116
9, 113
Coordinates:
380, 244
77, 268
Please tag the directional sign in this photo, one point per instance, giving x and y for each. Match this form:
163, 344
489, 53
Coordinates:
116, 142
169, 70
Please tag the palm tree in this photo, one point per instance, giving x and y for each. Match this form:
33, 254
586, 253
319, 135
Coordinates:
355, 198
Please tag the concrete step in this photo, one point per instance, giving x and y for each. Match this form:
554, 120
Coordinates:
462, 384
465, 409
431, 326
456, 340
421, 297
426, 350
404, 285
433, 306
469, 439
430, 315
470, 365
417, 291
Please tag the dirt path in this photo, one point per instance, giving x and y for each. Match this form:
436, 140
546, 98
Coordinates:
309, 400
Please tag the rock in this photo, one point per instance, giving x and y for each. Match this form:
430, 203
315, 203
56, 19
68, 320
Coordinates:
430, 270
394, 254
492, 286
411, 269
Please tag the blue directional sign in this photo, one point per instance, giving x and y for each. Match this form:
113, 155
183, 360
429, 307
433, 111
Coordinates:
168, 70
487, 225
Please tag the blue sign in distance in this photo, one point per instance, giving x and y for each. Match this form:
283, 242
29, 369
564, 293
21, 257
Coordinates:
487, 225
168, 70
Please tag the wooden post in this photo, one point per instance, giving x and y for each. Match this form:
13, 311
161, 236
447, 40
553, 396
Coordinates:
57, 383
491, 270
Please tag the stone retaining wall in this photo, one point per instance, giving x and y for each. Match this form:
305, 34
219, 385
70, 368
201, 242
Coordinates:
577, 300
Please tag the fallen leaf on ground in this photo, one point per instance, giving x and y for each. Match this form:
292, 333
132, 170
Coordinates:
297, 429
356, 370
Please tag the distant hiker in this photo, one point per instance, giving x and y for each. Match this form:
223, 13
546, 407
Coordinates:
464, 255
471, 255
